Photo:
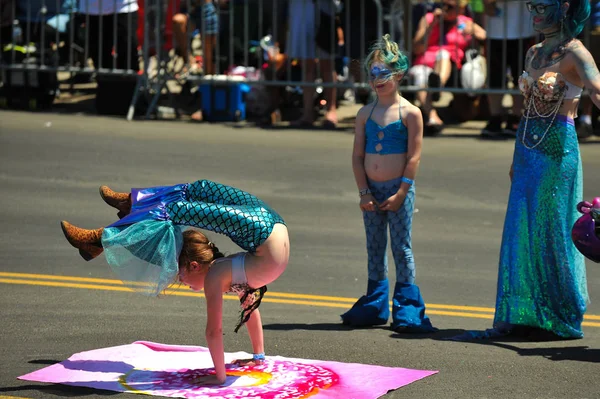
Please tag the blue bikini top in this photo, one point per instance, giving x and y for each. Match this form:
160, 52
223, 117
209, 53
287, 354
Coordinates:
384, 140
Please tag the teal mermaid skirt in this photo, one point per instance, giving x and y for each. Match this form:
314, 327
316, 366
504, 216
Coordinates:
541, 278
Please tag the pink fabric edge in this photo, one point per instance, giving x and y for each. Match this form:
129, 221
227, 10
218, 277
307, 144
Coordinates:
388, 378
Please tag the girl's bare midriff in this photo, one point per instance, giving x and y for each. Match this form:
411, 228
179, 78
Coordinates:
384, 167
270, 259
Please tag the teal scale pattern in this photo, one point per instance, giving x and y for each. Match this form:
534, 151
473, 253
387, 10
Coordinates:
541, 279
245, 219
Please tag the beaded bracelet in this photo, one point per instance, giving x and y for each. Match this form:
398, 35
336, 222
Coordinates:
407, 180
258, 356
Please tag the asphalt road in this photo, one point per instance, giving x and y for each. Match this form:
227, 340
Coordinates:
51, 167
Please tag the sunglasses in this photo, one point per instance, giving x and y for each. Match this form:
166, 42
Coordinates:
378, 73
539, 8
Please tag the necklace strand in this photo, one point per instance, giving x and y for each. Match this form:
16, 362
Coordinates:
554, 112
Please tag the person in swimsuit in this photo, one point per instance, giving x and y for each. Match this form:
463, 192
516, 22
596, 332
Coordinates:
542, 287
387, 151
148, 250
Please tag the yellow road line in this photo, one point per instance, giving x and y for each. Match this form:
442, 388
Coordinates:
274, 297
271, 293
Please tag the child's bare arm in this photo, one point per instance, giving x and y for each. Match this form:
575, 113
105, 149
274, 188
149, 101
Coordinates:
414, 123
213, 291
255, 331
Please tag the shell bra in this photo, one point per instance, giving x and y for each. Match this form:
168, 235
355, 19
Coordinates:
543, 99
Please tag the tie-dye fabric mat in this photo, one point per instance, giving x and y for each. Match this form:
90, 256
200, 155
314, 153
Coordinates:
170, 371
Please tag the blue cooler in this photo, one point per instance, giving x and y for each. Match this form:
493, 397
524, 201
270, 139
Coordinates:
223, 98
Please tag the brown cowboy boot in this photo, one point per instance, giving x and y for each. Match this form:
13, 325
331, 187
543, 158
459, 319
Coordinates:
120, 201
89, 242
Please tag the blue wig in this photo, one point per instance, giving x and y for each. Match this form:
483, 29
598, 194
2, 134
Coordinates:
576, 17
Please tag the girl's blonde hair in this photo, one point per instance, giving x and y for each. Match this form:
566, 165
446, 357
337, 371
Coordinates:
388, 52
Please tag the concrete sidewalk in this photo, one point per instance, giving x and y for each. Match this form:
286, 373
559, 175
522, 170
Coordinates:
81, 101
472, 128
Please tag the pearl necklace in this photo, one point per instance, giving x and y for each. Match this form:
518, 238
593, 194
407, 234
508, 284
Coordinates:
552, 113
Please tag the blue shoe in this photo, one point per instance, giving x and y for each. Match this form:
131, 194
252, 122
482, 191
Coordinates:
408, 310
372, 309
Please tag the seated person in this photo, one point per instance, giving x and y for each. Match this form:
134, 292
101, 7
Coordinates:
438, 56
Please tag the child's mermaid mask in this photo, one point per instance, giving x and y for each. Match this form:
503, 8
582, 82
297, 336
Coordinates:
381, 74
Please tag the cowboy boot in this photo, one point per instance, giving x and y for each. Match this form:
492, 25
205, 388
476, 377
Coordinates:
88, 242
120, 201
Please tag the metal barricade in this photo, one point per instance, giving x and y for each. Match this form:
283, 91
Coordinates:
280, 44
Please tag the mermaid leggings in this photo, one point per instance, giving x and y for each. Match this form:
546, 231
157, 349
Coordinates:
241, 216
400, 225
208, 205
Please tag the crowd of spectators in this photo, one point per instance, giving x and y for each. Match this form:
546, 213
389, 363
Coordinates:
438, 37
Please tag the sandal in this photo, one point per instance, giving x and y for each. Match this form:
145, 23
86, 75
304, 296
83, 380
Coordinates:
433, 128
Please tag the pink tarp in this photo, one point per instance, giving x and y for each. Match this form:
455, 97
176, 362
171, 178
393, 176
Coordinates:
169, 370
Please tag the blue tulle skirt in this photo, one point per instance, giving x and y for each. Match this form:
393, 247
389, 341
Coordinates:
143, 248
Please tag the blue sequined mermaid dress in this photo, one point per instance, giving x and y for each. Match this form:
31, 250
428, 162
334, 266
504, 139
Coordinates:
541, 279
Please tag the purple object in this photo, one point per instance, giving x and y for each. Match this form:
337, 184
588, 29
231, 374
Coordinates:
584, 232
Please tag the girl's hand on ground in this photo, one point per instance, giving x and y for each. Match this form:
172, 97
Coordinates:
208, 380
247, 362
368, 203
393, 203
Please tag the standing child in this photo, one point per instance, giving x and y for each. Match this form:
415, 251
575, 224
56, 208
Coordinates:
387, 151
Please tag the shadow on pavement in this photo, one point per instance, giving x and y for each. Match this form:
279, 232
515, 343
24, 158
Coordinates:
66, 391
439, 335
576, 353
317, 327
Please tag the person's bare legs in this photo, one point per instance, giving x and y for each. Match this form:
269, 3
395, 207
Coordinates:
443, 68
308, 94
208, 65
180, 32
329, 75
209, 44
421, 97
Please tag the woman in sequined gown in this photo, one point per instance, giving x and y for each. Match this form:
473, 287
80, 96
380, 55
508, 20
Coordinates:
542, 287
148, 250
